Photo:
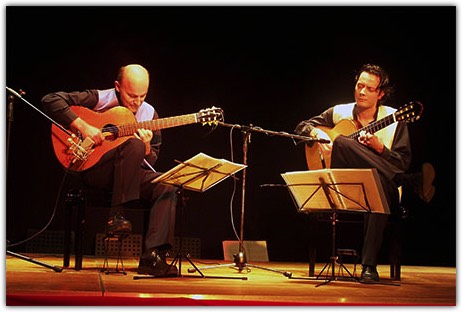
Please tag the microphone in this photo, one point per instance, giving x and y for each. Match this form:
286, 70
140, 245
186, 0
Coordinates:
11, 101
21, 92
10, 105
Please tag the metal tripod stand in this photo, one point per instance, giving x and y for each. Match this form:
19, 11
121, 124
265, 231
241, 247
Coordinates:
336, 190
199, 173
240, 259
331, 265
180, 254
11, 99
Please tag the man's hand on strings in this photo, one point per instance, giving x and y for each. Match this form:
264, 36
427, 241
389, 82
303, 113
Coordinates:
371, 141
145, 136
87, 131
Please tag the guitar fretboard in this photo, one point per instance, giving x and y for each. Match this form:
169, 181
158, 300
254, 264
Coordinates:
375, 126
157, 124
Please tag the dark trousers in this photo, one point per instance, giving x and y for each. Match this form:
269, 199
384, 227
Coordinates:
349, 153
121, 171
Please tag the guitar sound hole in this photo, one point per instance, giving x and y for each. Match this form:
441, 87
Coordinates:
110, 132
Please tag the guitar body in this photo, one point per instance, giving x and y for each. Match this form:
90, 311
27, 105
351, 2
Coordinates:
115, 116
117, 124
318, 159
315, 154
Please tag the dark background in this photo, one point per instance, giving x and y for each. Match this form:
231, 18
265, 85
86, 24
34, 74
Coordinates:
267, 66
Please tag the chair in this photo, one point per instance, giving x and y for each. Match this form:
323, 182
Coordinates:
76, 202
77, 199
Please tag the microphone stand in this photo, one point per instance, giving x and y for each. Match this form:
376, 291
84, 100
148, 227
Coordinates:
10, 123
11, 99
240, 260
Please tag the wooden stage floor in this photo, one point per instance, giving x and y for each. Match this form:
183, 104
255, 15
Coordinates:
31, 284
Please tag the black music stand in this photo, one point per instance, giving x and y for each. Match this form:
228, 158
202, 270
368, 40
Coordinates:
198, 174
336, 190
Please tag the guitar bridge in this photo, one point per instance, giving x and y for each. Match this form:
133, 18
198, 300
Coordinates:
80, 149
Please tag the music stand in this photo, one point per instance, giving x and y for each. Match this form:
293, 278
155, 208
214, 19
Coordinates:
334, 190
198, 174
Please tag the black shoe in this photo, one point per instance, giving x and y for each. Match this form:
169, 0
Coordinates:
154, 263
427, 189
117, 224
369, 274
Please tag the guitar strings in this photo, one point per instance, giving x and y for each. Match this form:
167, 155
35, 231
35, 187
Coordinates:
388, 120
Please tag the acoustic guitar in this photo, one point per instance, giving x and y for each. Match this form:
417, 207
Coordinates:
117, 124
317, 159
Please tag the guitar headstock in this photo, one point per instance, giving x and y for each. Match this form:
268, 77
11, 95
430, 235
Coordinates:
210, 116
409, 112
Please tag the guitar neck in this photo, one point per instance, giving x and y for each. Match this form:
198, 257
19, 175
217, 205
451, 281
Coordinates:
157, 124
375, 126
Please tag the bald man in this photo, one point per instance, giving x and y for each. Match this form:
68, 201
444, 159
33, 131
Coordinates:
127, 169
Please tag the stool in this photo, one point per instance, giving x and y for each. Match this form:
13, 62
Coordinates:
119, 237
75, 198
76, 201
396, 246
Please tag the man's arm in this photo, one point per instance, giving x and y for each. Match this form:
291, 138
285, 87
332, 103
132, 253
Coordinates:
155, 143
324, 119
57, 106
400, 154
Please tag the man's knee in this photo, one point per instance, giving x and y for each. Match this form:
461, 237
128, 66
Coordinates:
165, 191
134, 145
341, 142
341, 152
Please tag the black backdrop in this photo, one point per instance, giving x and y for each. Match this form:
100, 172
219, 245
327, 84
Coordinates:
269, 66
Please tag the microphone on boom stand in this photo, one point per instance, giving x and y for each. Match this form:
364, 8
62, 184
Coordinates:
11, 99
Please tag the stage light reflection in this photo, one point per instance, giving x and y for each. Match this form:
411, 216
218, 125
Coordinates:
197, 297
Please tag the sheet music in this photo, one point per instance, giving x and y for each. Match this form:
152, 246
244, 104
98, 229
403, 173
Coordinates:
351, 189
199, 173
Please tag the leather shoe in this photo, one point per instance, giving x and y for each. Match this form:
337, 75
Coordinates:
154, 263
369, 274
117, 224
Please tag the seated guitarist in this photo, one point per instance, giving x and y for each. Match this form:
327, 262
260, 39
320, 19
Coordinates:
125, 170
387, 150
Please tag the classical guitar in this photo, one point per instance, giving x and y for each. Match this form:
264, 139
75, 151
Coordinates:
118, 124
317, 159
